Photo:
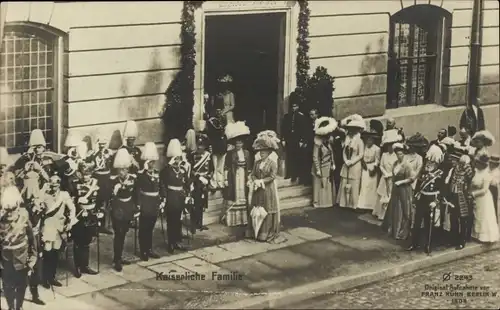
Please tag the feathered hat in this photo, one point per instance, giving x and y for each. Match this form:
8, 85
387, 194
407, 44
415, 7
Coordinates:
225, 79
324, 126
391, 136
174, 148
73, 139
483, 158
435, 154
11, 198
356, 121
130, 130
485, 136
398, 147
82, 149
266, 140
236, 130
417, 141
376, 129
348, 119
5, 159
122, 159
37, 138
191, 140
150, 152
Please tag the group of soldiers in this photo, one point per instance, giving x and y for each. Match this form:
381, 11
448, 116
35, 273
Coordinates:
49, 199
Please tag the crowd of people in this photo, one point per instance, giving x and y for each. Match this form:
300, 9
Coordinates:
50, 199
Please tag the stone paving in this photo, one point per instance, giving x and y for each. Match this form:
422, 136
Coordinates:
409, 291
320, 244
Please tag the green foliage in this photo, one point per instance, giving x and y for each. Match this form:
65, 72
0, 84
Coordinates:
320, 88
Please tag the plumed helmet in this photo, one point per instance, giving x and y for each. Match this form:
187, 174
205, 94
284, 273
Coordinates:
236, 129
174, 148
130, 130
191, 140
150, 152
435, 154
73, 139
122, 159
37, 138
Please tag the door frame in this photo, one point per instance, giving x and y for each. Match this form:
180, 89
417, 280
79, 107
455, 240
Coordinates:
220, 8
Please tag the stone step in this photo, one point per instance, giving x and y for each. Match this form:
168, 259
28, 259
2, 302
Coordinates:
282, 183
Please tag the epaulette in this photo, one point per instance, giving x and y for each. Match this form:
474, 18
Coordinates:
113, 177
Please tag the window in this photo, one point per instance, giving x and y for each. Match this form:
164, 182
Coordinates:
415, 62
27, 78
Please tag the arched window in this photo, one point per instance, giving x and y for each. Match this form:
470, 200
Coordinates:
27, 85
418, 37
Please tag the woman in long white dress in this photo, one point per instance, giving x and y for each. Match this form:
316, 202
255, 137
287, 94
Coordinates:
350, 182
387, 163
227, 97
485, 227
369, 178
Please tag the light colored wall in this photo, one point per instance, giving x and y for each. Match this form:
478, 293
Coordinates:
121, 56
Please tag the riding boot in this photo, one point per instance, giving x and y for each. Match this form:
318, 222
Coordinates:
77, 259
85, 252
35, 296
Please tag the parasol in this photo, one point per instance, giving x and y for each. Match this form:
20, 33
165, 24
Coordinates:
258, 215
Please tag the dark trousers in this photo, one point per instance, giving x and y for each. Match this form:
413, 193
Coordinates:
120, 228
14, 284
458, 223
146, 227
50, 262
494, 193
307, 157
293, 159
82, 238
470, 223
423, 213
200, 196
174, 225
34, 279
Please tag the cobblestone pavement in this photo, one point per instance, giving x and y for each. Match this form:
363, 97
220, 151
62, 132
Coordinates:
424, 289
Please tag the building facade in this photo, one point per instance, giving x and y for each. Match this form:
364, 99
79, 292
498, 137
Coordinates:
90, 66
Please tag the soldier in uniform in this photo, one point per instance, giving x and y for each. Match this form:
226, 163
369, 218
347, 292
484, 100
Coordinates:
215, 131
174, 187
149, 200
201, 171
68, 165
102, 161
17, 245
123, 204
58, 218
130, 135
293, 132
428, 198
86, 229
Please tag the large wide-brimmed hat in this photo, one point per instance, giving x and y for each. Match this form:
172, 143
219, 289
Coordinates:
417, 141
236, 130
356, 123
266, 141
495, 159
375, 131
391, 136
485, 136
398, 147
324, 126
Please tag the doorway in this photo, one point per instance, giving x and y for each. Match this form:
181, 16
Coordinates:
250, 48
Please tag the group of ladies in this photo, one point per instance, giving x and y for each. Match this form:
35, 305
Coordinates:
380, 171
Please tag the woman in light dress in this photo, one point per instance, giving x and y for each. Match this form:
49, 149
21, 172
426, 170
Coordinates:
227, 97
397, 219
237, 168
350, 182
481, 141
485, 227
264, 191
387, 162
369, 178
323, 163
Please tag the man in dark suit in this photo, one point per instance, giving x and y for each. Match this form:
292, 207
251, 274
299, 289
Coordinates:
307, 146
472, 118
292, 132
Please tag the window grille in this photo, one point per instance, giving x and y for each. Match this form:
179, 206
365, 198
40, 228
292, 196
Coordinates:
27, 89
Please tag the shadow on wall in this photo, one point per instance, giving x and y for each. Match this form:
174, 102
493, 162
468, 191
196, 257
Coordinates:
489, 92
373, 69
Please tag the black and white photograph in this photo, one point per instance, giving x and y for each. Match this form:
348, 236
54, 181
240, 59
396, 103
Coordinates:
308, 154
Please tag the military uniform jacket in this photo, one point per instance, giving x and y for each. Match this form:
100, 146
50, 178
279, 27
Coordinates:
17, 242
60, 212
201, 165
103, 162
86, 195
172, 179
136, 153
124, 197
215, 132
148, 187
430, 186
32, 181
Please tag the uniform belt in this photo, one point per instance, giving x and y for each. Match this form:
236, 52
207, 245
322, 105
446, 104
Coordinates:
125, 199
150, 194
429, 193
175, 188
15, 247
103, 172
88, 206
